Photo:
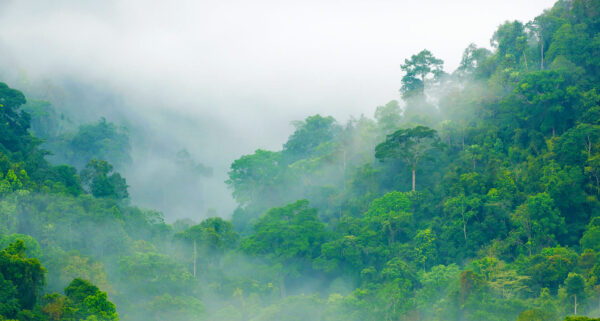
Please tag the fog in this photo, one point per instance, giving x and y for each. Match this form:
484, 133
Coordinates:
224, 78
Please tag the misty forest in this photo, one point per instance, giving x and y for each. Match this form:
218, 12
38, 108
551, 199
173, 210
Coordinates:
473, 196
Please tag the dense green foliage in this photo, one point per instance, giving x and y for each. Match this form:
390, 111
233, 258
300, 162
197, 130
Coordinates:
477, 197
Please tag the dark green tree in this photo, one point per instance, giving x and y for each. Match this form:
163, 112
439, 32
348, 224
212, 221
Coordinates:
290, 235
14, 122
25, 274
100, 180
419, 69
410, 146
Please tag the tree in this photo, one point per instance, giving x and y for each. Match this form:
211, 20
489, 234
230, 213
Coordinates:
544, 26
548, 101
149, 273
410, 145
510, 40
308, 136
464, 208
575, 286
88, 302
27, 275
390, 215
290, 235
550, 268
425, 248
98, 140
14, 122
472, 58
419, 69
388, 117
540, 222
9, 304
99, 179
591, 237
255, 175
213, 235
571, 43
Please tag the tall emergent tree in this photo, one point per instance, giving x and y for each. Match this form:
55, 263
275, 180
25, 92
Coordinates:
212, 235
409, 145
418, 69
575, 285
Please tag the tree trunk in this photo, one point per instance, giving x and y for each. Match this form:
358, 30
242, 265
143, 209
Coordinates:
194, 259
464, 225
542, 55
575, 303
413, 179
282, 287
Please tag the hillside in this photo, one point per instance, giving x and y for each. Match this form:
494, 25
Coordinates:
474, 196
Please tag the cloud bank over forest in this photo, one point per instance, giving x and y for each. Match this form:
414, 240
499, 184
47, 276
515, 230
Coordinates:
222, 78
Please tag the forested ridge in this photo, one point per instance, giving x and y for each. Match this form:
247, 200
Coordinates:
474, 196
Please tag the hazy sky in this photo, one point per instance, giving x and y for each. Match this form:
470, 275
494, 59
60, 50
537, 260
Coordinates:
235, 73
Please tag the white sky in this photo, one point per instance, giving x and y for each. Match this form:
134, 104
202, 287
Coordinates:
328, 56
244, 69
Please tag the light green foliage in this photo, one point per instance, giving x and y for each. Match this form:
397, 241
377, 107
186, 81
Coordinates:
536, 315
390, 217
425, 248
254, 175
